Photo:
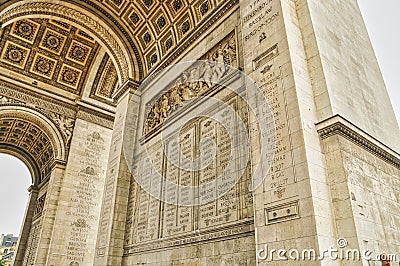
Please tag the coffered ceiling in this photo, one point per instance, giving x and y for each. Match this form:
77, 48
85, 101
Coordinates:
28, 137
48, 51
159, 26
150, 30
61, 47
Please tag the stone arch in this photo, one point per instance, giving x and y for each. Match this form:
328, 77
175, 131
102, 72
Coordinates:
128, 67
33, 138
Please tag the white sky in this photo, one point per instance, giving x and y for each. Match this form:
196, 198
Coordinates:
382, 19
15, 180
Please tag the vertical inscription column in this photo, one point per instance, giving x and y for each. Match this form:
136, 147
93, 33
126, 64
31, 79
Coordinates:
228, 176
178, 219
78, 210
269, 61
245, 195
153, 222
112, 225
171, 195
282, 171
46, 223
142, 214
186, 178
131, 216
208, 212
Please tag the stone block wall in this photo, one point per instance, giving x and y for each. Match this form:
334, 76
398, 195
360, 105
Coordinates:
365, 197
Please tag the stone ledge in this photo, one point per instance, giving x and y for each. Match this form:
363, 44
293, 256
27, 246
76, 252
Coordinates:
224, 233
337, 125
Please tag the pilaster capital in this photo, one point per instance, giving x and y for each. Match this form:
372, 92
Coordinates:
130, 86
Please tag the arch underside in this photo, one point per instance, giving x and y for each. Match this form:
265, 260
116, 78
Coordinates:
79, 19
33, 139
138, 35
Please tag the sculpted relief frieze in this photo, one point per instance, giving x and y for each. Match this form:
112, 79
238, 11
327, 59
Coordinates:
182, 90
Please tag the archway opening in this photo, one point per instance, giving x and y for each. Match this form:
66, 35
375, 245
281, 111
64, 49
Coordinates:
15, 179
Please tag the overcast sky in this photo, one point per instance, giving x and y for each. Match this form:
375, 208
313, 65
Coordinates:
15, 180
381, 17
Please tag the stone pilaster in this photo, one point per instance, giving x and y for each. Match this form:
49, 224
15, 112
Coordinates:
26, 225
70, 222
289, 210
46, 224
111, 234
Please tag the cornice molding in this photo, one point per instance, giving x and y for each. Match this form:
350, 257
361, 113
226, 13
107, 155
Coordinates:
44, 104
94, 117
245, 228
129, 85
338, 125
35, 100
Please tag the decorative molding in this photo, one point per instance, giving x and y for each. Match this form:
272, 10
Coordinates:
36, 101
63, 116
129, 85
338, 125
224, 233
95, 117
282, 212
106, 82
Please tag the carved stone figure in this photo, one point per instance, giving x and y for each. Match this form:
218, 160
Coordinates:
175, 98
156, 112
219, 68
208, 71
4, 99
165, 107
187, 93
194, 82
66, 125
